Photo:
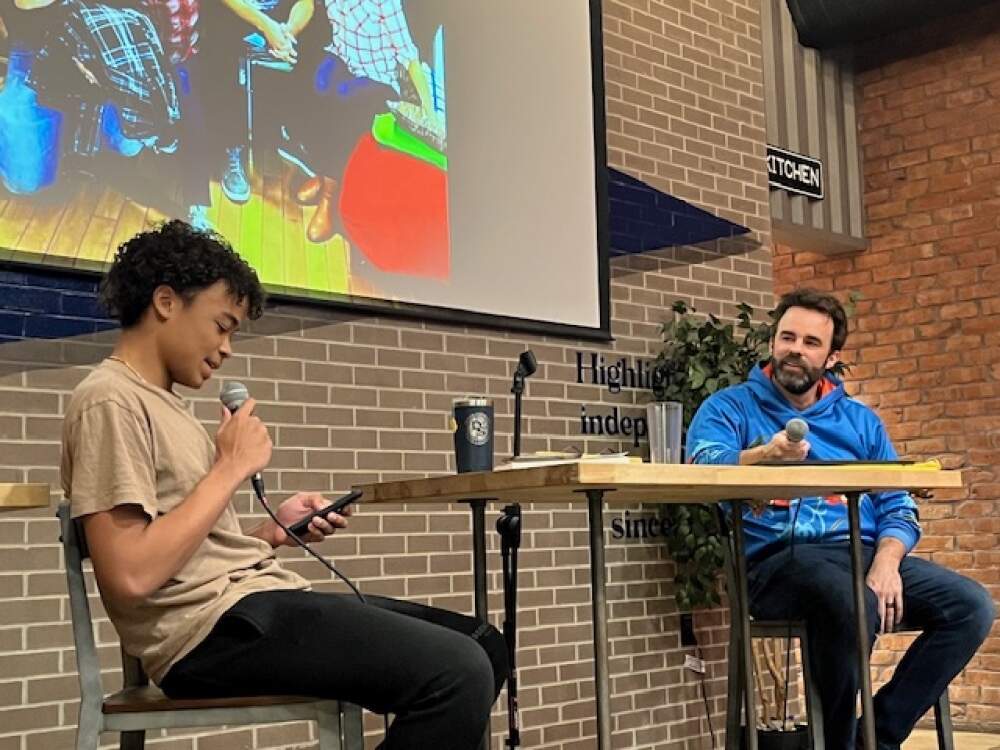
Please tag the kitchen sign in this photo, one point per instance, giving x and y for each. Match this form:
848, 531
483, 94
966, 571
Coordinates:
796, 173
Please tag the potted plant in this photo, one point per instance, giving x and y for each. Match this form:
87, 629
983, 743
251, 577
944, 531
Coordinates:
699, 357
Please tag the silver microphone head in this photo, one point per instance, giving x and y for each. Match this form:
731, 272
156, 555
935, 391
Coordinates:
796, 429
233, 395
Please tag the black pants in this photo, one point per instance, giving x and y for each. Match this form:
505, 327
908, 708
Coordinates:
213, 105
438, 672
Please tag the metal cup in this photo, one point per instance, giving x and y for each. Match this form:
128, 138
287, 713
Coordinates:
473, 424
666, 424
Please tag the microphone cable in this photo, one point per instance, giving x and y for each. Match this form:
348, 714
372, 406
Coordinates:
704, 697
329, 565
233, 396
306, 547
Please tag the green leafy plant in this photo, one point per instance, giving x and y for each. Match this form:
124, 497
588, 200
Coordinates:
702, 355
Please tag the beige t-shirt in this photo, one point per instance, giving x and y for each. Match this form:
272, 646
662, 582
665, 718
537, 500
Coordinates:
128, 442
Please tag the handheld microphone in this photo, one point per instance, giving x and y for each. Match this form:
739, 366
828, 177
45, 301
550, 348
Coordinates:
233, 396
796, 429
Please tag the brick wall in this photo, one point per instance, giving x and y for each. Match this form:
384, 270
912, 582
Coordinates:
925, 338
352, 399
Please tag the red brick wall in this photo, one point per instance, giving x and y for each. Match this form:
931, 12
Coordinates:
926, 335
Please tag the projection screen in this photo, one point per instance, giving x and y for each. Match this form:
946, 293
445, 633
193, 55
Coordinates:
437, 158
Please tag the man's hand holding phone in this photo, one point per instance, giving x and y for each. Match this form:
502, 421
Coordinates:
312, 517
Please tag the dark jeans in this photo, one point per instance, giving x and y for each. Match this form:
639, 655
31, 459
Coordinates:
438, 672
954, 612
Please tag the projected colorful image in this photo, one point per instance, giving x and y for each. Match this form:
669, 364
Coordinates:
311, 134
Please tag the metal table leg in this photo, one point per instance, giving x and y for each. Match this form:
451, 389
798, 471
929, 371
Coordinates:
861, 620
741, 619
478, 510
598, 578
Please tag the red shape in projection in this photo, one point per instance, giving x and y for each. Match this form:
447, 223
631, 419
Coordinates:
395, 210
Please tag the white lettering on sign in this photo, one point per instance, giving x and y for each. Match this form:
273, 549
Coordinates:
796, 173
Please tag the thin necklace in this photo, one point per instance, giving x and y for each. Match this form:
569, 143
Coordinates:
135, 372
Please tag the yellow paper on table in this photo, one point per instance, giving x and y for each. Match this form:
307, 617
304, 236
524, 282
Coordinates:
932, 464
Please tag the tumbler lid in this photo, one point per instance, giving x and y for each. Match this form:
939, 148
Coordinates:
474, 401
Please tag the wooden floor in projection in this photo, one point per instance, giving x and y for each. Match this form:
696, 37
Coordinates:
268, 230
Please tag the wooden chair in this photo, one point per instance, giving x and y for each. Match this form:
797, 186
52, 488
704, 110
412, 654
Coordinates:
139, 706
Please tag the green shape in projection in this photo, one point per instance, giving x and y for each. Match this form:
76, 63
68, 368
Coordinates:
387, 132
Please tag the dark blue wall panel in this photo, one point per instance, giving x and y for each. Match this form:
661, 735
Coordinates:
644, 218
48, 305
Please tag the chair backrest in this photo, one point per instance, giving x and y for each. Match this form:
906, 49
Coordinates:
75, 551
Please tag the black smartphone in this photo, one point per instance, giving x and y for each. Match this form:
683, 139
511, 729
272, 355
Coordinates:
301, 526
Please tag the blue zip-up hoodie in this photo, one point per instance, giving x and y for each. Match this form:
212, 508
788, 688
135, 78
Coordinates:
749, 414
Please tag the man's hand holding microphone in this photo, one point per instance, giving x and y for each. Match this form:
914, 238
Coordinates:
789, 444
242, 443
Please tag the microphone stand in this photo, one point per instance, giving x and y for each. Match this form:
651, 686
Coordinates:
518, 390
509, 528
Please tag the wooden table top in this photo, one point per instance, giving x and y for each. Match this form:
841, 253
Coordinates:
660, 483
22, 496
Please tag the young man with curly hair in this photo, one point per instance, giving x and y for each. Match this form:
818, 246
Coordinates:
205, 606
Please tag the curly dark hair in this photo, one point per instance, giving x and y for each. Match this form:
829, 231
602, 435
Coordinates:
181, 257
824, 303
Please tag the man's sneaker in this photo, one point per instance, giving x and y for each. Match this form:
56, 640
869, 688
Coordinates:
198, 218
235, 184
293, 152
112, 135
859, 740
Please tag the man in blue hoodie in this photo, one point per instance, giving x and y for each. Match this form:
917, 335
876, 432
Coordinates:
797, 550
